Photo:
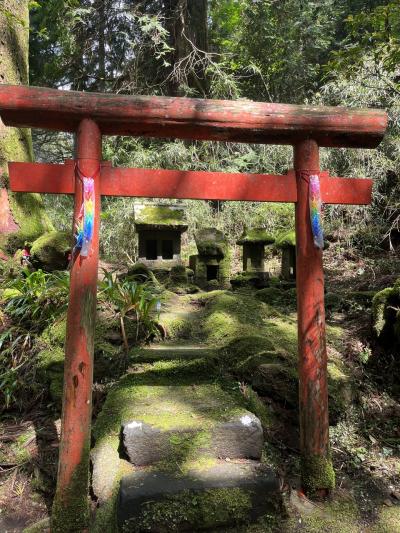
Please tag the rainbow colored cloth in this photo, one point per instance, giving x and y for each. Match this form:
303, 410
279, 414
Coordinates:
85, 222
315, 211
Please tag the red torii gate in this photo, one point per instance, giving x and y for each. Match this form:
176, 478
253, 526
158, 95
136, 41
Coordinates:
92, 115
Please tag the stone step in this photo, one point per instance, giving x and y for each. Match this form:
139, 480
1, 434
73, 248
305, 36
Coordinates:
164, 352
225, 494
240, 436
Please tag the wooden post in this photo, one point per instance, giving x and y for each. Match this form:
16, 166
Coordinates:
71, 506
316, 466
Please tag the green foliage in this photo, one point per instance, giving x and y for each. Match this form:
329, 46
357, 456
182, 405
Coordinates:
36, 297
17, 369
375, 33
132, 301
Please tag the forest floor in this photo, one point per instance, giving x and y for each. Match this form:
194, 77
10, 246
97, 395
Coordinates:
365, 425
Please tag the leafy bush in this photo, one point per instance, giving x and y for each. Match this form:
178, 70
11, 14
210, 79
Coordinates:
35, 298
131, 301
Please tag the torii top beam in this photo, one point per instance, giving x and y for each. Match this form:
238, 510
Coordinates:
190, 118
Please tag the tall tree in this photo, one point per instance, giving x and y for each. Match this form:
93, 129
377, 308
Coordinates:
21, 215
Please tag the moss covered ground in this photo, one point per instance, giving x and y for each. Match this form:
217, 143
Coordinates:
251, 342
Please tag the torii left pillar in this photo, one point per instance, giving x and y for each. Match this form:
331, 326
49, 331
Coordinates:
71, 505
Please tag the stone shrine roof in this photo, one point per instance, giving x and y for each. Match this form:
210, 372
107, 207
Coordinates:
211, 242
256, 236
163, 217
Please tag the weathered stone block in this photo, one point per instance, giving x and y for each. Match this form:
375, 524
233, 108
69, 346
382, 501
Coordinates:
241, 437
106, 468
225, 494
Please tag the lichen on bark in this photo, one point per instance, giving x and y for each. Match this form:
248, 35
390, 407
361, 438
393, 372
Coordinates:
25, 211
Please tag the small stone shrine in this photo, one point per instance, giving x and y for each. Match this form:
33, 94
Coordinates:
254, 241
212, 264
159, 229
287, 243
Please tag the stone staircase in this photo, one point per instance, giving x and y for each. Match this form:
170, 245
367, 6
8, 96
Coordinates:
176, 449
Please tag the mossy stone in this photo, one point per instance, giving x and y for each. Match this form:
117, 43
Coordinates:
178, 275
256, 236
276, 296
380, 315
286, 239
190, 509
50, 251
139, 271
159, 215
211, 242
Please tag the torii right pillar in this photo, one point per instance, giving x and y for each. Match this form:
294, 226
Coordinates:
317, 472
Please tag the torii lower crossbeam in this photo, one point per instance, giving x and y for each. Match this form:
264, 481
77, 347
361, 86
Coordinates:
186, 184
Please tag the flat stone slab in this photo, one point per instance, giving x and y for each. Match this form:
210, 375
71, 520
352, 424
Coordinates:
222, 495
239, 437
161, 352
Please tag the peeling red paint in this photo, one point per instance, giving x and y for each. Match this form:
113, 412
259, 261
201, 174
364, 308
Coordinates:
195, 185
78, 369
7, 222
313, 391
190, 118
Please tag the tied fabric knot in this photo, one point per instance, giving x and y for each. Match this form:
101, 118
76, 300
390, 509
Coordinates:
315, 211
85, 220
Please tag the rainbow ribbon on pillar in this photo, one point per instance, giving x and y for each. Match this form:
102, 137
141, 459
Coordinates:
85, 222
315, 211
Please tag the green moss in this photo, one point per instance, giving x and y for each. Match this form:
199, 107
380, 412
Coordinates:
342, 515
139, 271
256, 235
244, 279
178, 275
28, 212
55, 333
211, 508
156, 215
70, 512
287, 239
211, 242
50, 251
39, 527
51, 370
379, 303
177, 325
164, 397
317, 473
275, 296
258, 407
188, 452
388, 520
105, 518
239, 351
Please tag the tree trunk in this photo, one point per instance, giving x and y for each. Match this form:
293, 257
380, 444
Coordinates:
188, 27
101, 9
22, 216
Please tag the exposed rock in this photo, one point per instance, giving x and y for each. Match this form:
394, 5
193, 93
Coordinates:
50, 251
106, 466
241, 437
